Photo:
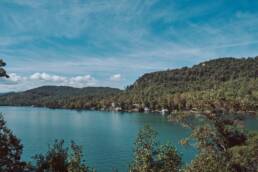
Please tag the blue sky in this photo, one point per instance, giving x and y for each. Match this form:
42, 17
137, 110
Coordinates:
113, 42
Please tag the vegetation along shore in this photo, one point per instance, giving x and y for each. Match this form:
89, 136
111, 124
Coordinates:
227, 85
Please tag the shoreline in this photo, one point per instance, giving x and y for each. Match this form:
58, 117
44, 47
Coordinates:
194, 112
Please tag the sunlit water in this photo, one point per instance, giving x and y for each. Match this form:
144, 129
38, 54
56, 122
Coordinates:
107, 137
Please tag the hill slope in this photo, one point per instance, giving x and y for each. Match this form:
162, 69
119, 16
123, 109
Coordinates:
226, 83
59, 96
209, 72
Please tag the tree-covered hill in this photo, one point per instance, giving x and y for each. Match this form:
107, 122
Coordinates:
59, 96
211, 72
225, 83
46, 91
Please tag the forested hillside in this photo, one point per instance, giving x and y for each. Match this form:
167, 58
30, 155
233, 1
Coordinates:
202, 76
59, 97
225, 84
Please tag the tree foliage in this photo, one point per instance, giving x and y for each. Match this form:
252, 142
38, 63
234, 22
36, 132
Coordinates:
61, 97
151, 157
10, 149
61, 159
144, 149
10, 146
168, 159
2, 71
224, 145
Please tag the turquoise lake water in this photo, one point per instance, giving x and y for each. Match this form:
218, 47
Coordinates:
107, 137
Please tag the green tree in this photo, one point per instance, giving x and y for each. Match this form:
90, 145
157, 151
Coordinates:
61, 159
224, 145
208, 162
76, 162
151, 157
10, 150
144, 149
168, 159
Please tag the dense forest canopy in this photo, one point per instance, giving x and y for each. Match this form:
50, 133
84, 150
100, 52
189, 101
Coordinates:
60, 96
226, 83
220, 70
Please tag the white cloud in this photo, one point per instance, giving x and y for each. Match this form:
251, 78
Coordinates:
116, 77
78, 81
47, 77
18, 83
16, 78
85, 78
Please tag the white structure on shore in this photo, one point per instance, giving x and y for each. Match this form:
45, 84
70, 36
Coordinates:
146, 109
118, 109
164, 111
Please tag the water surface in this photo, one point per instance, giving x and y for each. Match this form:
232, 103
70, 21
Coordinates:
107, 137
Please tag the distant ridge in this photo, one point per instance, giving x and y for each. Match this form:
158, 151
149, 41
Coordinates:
58, 96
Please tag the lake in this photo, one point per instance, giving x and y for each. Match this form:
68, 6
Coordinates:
107, 137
